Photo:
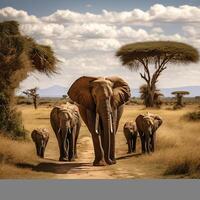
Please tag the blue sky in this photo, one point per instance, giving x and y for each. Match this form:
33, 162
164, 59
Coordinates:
45, 7
86, 34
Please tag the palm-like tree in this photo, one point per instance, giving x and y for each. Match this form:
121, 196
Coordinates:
156, 53
145, 96
179, 98
19, 56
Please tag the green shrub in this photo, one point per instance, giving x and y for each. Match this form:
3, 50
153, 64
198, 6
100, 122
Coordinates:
193, 116
11, 120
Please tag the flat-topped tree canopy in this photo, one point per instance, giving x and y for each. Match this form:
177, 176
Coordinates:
158, 53
180, 93
174, 52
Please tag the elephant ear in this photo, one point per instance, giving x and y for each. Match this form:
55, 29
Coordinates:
80, 92
121, 91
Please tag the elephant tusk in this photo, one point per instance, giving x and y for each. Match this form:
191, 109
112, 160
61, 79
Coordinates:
97, 123
111, 124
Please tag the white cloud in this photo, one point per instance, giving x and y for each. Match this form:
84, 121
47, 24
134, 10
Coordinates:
22, 16
86, 43
183, 13
156, 12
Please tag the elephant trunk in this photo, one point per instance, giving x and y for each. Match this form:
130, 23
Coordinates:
107, 122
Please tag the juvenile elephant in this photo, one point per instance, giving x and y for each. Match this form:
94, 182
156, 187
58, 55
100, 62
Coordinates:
100, 101
147, 126
65, 121
40, 137
130, 133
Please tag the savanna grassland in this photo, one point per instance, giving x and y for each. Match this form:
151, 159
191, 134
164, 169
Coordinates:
177, 150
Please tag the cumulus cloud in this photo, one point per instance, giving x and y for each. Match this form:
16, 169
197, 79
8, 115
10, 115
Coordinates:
157, 12
86, 42
22, 16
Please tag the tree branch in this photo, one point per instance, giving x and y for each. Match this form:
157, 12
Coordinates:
145, 78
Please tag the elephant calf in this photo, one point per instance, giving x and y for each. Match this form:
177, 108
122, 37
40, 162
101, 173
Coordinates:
147, 126
40, 137
130, 133
65, 121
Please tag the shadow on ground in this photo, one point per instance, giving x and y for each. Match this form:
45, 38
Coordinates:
43, 118
128, 156
57, 168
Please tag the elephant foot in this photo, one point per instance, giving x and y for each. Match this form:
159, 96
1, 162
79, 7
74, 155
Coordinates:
109, 161
114, 161
99, 163
71, 159
63, 159
129, 152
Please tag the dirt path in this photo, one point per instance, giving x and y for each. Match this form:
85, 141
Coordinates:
83, 169
127, 167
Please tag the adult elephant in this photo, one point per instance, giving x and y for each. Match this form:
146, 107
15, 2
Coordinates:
147, 126
40, 137
65, 121
130, 133
100, 101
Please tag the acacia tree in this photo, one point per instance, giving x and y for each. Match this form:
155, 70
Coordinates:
156, 53
179, 98
144, 95
33, 94
19, 56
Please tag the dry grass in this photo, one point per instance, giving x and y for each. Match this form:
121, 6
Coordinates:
177, 154
13, 153
177, 145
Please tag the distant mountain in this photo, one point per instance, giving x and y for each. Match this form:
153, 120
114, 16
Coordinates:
58, 91
54, 91
194, 91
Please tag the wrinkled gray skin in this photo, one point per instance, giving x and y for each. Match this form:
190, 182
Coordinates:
40, 137
100, 101
147, 126
130, 133
65, 121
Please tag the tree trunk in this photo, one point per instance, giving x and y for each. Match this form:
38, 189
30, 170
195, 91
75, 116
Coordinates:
179, 100
150, 98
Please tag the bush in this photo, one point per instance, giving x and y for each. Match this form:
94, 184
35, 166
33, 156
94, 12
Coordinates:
186, 162
193, 116
14, 125
11, 120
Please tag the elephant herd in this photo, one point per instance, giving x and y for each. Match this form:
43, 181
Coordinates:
99, 102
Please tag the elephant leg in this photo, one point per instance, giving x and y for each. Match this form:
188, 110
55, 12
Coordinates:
98, 150
37, 149
112, 148
142, 138
134, 138
147, 142
129, 145
64, 148
96, 138
71, 140
117, 113
42, 152
153, 140
76, 138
